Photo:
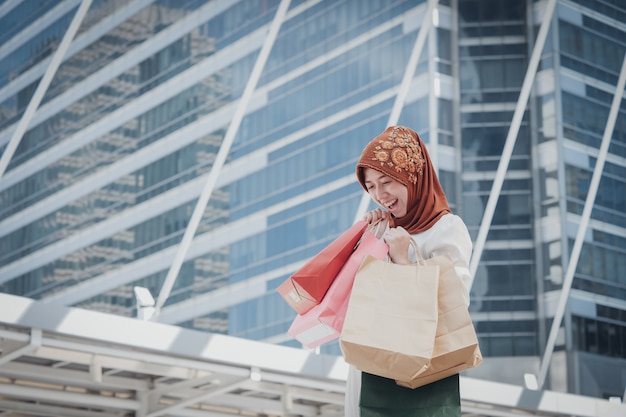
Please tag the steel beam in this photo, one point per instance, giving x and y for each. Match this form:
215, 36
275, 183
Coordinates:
33, 343
34, 408
582, 228
409, 73
511, 138
43, 85
208, 393
87, 85
28, 32
66, 397
220, 159
7, 6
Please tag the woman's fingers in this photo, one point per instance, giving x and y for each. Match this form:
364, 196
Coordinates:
378, 220
399, 232
398, 240
375, 215
380, 228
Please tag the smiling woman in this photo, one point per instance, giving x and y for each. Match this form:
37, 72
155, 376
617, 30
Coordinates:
396, 171
400, 154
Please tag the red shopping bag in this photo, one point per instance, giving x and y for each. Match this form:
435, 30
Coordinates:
307, 286
324, 321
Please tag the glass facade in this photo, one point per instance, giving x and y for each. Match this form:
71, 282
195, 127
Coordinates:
102, 186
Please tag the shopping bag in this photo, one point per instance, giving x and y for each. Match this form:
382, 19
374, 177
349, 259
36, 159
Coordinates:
324, 321
391, 321
307, 286
456, 344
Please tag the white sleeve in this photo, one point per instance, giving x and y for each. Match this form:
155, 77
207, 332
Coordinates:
453, 239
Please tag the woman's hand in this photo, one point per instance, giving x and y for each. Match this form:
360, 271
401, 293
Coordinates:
398, 240
375, 215
378, 216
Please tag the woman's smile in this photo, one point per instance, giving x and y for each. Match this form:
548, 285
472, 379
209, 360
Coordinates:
391, 205
386, 192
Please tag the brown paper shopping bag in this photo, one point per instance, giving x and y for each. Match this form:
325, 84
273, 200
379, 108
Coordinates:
456, 345
389, 328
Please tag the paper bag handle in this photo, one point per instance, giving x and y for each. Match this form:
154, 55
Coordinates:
372, 228
418, 252
416, 249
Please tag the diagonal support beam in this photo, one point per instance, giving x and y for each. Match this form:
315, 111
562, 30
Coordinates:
7, 6
43, 85
582, 228
511, 138
210, 393
409, 72
220, 159
33, 343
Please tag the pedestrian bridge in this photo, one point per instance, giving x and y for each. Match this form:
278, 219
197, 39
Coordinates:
60, 361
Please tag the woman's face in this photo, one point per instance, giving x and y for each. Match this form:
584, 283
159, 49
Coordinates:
386, 192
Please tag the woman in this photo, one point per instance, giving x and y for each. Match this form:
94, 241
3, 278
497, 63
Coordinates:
396, 171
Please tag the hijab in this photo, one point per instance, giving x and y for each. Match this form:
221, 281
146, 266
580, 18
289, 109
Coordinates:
400, 154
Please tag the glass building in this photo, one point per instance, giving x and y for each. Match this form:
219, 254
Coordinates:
251, 114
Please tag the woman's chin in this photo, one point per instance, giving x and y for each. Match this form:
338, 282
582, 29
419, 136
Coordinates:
395, 213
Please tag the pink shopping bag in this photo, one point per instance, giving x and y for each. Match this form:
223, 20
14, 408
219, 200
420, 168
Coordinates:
324, 322
307, 286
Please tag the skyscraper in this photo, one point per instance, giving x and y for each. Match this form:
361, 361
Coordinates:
260, 108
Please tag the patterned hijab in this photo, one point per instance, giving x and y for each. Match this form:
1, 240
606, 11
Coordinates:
399, 153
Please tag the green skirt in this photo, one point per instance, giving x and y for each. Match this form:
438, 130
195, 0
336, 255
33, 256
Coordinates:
383, 397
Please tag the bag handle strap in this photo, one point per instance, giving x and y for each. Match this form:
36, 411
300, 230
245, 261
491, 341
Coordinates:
372, 228
416, 249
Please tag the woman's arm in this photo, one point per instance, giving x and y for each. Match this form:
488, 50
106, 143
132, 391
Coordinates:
453, 239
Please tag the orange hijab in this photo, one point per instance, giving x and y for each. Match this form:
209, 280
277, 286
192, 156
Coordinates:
399, 153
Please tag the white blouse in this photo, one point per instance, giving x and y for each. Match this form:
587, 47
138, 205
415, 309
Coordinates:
449, 236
